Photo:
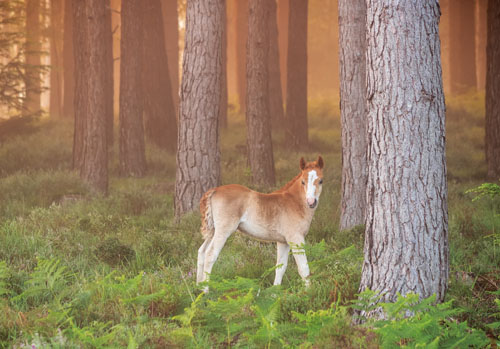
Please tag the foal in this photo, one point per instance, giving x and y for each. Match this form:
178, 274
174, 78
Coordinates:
283, 216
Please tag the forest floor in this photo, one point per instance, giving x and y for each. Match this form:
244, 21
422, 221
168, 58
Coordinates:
117, 271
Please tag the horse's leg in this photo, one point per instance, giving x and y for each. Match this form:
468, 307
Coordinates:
201, 260
213, 249
282, 258
300, 258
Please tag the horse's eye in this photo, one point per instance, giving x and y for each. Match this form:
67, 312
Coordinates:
303, 183
321, 181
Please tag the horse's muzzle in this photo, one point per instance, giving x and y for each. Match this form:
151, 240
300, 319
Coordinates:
312, 203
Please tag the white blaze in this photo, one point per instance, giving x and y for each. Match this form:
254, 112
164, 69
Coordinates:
311, 188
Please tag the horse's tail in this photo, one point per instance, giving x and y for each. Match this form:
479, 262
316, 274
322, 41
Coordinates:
207, 219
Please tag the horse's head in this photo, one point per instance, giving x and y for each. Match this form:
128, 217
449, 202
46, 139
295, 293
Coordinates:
312, 180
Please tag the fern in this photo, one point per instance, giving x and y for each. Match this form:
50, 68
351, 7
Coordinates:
485, 189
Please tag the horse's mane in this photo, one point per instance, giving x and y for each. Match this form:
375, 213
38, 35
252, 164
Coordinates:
289, 184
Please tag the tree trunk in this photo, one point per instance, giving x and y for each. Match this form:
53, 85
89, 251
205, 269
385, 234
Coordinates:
132, 153
352, 44
171, 34
108, 70
275, 91
462, 46
68, 62
56, 71
198, 155
241, 40
296, 94
223, 95
492, 124
406, 237
90, 145
32, 103
480, 40
159, 111
259, 144
283, 14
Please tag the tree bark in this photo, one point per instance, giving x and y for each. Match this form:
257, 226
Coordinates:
462, 46
32, 103
283, 14
159, 111
241, 40
56, 66
275, 91
108, 70
352, 44
480, 41
296, 94
132, 152
259, 144
406, 238
492, 124
171, 34
90, 145
198, 155
68, 62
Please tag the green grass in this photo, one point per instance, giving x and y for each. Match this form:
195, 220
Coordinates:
77, 270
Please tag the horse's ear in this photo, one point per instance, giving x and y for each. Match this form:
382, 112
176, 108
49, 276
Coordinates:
320, 162
302, 163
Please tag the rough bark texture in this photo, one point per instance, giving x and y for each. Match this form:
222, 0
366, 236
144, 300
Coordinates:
462, 46
241, 40
480, 40
171, 33
259, 144
132, 153
406, 238
68, 62
296, 94
198, 155
90, 146
159, 111
32, 80
56, 66
275, 92
352, 44
492, 140
108, 70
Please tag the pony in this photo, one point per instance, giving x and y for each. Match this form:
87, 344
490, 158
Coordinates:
283, 216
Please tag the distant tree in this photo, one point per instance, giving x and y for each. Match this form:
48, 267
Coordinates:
283, 14
90, 145
32, 79
480, 40
159, 111
68, 62
406, 239
276, 111
56, 62
352, 44
462, 46
241, 41
259, 144
108, 70
198, 155
132, 153
296, 94
223, 95
492, 124
171, 34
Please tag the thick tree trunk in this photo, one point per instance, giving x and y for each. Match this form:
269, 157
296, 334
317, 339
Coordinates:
492, 124
241, 41
296, 94
159, 111
406, 238
462, 46
108, 70
171, 34
56, 66
260, 147
352, 44
275, 91
90, 145
68, 62
132, 153
32, 103
480, 41
283, 14
198, 155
